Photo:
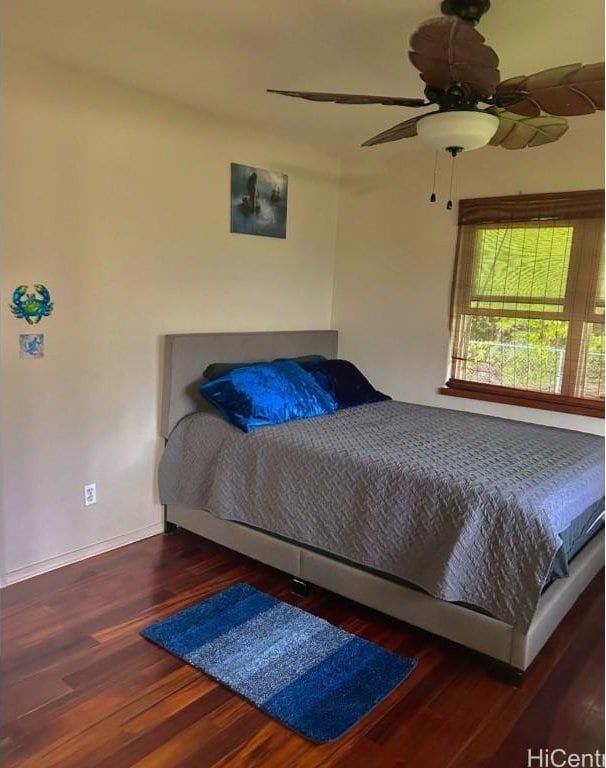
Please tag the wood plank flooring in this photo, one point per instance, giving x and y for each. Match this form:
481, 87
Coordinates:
82, 689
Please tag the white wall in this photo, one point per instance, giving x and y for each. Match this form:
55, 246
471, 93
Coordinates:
395, 254
118, 201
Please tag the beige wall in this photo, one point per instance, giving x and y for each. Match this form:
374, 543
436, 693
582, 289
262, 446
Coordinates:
119, 202
395, 254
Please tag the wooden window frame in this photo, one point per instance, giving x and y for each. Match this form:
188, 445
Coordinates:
581, 287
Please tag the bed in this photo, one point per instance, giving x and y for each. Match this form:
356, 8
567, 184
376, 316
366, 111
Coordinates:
454, 564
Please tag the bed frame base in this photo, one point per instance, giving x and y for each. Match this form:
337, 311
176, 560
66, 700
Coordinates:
169, 528
507, 674
481, 633
299, 586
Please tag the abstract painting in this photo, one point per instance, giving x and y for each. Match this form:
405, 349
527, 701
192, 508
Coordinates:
258, 201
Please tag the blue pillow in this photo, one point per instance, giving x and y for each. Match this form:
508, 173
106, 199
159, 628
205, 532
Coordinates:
267, 393
344, 382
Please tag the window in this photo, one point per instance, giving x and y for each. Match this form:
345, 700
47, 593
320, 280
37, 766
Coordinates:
527, 320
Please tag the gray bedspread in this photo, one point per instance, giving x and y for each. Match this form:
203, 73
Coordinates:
467, 507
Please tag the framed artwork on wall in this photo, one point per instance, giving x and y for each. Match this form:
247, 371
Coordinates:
31, 306
31, 346
259, 201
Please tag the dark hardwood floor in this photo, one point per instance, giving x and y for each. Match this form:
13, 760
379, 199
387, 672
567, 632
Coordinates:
82, 689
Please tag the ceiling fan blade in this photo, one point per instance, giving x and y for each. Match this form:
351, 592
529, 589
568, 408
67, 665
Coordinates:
405, 130
447, 50
352, 98
506, 99
573, 89
518, 132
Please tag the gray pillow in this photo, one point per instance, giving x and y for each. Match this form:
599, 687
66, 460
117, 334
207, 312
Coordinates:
215, 370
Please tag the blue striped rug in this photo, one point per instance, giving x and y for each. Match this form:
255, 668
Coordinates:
301, 670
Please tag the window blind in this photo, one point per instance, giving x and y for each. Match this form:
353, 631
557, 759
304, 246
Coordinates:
527, 316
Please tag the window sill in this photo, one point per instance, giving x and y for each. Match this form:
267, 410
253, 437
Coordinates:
495, 394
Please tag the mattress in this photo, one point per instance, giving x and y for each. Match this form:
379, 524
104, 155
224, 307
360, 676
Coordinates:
580, 531
467, 507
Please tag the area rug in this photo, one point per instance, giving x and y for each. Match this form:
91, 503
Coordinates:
301, 670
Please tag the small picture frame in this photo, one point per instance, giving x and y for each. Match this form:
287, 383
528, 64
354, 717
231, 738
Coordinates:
31, 346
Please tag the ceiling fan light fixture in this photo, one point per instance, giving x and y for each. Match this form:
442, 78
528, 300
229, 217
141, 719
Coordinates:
458, 129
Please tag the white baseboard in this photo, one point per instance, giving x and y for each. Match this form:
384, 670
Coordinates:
20, 574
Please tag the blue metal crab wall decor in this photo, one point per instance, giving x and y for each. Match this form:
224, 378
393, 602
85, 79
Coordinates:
31, 307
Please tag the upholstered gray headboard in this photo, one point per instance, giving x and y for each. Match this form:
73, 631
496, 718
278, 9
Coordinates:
186, 355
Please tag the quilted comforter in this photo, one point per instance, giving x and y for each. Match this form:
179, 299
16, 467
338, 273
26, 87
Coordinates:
465, 506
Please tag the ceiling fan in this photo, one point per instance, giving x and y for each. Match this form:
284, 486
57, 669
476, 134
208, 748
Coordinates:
461, 72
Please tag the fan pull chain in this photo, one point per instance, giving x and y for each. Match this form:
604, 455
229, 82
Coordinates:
452, 168
432, 197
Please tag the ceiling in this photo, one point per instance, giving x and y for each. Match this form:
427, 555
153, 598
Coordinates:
221, 55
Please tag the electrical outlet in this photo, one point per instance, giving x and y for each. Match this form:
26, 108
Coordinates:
90, 494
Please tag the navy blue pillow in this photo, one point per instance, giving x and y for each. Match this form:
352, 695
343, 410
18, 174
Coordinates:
262, 394
346, 383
